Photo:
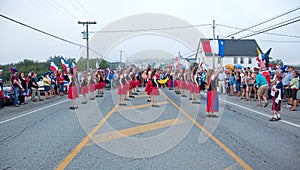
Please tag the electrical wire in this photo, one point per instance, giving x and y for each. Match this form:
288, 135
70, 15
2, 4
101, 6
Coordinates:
151, 29
284, 23
51, 35
269, 33
268, 20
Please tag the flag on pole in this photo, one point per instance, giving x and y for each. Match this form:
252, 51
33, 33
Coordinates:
206, 46
64, 63
260, 55
214, 46
53, 66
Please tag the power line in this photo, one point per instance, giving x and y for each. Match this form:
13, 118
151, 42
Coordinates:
268, 20
151, 29
269, 33
284, 23
46, 33
279, 41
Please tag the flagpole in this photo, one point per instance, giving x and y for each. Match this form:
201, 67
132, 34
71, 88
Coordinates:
214, 26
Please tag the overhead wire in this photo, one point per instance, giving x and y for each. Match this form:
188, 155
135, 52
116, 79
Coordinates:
281, 24
268, 20
49, 34
150, 29
269, 33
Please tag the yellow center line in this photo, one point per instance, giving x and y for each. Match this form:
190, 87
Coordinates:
217, 141
78, 148
133, 131
139, 106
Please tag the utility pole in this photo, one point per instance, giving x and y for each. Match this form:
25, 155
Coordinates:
86, 36
214, 26
121, 55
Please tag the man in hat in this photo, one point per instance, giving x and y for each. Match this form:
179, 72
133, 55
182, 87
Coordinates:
1, 80
16, 84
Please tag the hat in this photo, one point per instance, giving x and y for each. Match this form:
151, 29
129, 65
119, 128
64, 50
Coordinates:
279, 77
13, 70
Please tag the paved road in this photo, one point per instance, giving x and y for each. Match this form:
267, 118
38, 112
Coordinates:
176, 135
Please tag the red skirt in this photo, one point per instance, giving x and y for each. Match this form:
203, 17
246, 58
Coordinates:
131, 84
92, 87
194, 88
176, 83
154, 91
73, 92
84, 90
101, 85
170, 83
182, 84
97, 86
212, 100
148, 87
137, 82
122, 91
190, 86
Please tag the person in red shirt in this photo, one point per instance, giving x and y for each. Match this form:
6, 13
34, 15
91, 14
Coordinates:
16, 85
60, 82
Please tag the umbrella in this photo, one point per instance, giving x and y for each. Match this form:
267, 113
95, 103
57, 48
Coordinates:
229, 66
238, 66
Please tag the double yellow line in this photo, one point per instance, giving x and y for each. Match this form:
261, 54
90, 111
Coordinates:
133, 130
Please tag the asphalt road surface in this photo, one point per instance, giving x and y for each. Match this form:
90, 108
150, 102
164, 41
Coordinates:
176, 135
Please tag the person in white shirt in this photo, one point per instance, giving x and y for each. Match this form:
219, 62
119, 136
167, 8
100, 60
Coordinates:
221, 82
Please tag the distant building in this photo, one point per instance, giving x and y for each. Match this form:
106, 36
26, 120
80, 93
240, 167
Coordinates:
242, 52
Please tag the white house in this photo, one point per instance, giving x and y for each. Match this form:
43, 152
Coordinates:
243, 52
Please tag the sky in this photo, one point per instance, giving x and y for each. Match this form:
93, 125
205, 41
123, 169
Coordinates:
60, 17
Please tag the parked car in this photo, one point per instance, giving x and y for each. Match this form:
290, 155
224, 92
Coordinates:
6, 96
41, 88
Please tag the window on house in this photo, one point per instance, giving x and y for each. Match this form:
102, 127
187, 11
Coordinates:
235, 60
242, 60
250, 61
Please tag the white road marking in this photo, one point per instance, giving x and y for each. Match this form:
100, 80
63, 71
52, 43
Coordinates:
290, 123
8, 120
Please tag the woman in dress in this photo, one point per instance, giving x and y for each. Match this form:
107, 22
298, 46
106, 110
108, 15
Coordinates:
194, 86
73, 90
154, 90
122, 92
84, 87
212, 95
92, 85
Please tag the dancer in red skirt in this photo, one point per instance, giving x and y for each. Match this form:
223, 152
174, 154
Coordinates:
131, 82
122, 92
176, 82
148, 87
101, 83
137, 81
92, 85
97, 86
182, 83
194, 87
212, 95
84, 87
73, 90
154, 90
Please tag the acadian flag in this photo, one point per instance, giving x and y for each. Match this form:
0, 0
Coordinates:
261, 55
64, 63
214, 46
53, 66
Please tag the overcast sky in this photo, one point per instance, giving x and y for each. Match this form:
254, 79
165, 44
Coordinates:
60, 17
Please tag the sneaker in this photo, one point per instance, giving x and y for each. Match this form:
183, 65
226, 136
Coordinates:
266, 105
278, 118
273, 119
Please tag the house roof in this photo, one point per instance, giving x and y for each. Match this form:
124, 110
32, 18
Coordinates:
234, 47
